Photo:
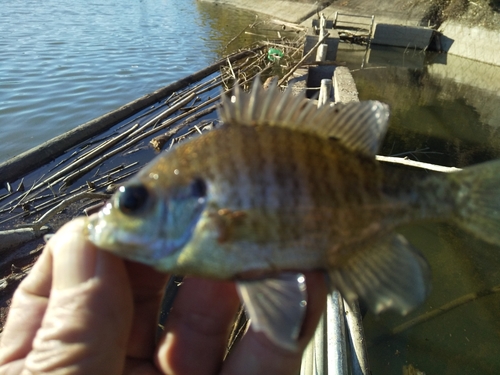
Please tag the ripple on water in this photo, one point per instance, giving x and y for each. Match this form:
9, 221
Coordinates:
73, 61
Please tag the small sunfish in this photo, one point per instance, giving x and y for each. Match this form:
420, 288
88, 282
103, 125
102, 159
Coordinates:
283, 187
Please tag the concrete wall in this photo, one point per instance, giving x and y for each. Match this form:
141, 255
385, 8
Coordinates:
402, 36
471, 42
480, 80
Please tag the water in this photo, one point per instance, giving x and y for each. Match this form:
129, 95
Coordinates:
63, 63
444, 110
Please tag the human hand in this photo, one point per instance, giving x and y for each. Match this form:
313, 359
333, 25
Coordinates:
85, 311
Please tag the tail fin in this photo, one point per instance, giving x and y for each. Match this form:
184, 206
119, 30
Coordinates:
478, 199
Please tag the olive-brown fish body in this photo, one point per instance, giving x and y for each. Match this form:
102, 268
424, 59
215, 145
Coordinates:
285, 187
277, 199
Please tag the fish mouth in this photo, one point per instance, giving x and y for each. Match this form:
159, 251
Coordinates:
93, 230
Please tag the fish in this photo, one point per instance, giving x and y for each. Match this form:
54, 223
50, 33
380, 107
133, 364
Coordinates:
284, 187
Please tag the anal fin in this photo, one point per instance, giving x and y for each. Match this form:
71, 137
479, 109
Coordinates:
276, 306
389, 274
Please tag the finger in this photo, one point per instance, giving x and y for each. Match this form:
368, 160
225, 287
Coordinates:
256, 354
148, 287
87, 321
27, 309
198, 327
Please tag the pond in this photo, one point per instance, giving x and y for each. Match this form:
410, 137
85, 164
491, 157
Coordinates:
64, 63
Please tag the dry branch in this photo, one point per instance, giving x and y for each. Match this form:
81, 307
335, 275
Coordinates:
86, 158
13, 238
417, 164
65, 203
444, 308
180, 103
159, 141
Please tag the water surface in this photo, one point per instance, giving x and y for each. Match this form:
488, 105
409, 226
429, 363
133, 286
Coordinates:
66, 62
445, 110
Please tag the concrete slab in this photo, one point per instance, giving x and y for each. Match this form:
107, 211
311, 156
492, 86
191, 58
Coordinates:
290, 11
385, 11
402, 36
344, 87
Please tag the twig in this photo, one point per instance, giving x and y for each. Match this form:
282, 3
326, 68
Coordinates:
288, 24
89, 156
22, 196
75, 175
265, 42
231, 68
251, 26
417, 164
182, 102
159, 141
65, 203
445, 308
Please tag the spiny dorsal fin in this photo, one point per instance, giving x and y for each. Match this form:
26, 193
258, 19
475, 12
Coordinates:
360, 126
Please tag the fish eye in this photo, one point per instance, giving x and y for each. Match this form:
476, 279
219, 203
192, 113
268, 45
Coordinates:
131, 198
199, 188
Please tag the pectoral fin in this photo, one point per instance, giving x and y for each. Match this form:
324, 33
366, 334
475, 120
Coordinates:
389, 274
276, 306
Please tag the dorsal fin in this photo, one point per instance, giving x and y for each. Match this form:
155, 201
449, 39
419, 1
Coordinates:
359, 126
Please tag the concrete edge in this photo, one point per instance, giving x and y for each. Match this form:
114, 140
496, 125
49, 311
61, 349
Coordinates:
289, 11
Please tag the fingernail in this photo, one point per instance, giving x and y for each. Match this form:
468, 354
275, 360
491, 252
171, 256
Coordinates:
74, 258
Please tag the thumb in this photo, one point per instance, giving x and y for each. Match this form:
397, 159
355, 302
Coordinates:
86, 326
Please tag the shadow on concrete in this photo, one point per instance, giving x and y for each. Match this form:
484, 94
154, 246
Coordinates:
442, 43
314, 77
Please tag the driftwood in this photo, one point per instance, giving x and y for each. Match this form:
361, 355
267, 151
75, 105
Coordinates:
13, 238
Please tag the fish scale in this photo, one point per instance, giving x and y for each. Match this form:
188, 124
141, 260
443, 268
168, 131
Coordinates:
284, 187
